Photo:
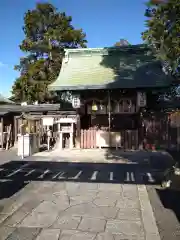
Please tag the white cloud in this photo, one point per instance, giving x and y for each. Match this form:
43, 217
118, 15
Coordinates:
2, 64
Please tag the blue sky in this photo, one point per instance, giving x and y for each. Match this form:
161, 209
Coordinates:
103, 21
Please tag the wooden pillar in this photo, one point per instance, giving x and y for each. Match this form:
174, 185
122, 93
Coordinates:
15, 128
29, 124
60, 140
2, 132
59, 127
41, 132
78, 131
71, 145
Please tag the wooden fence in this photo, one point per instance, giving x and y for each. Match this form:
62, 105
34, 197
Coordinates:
129, 139
160, 132
88, 138
155, 133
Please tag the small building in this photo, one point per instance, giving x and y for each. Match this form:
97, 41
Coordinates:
108, 88
5, 120
13, 116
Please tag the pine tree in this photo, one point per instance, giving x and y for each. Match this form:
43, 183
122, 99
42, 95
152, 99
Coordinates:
47, 33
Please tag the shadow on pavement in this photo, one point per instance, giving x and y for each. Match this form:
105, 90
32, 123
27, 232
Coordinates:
15, 175
175, 155
171, 200
9, 188
158, 160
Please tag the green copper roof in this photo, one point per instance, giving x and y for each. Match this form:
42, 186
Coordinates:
108, 68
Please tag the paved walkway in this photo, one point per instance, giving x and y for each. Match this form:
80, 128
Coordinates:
74, 211
49, 205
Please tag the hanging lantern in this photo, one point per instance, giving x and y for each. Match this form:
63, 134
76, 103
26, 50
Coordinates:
76, 102
101, 107
94, 107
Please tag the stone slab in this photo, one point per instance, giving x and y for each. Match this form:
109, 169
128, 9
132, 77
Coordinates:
24, 234
127, 237
15, 219
92, 225
40, 220
110, 187
124, 227
89, 210
129, 214
86, 197
5, 232
28, 206
3, 217
125, 202
51, 207
49, 234
76, 235
106, 201
65, 223
10, 207
89, 186
104, 236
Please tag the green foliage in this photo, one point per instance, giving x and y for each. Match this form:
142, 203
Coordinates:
47, 33
163, 33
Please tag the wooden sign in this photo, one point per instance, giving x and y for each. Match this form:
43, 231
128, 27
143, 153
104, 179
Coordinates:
48, 121
67, 120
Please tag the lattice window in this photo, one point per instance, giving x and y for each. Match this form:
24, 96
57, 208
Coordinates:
125, 105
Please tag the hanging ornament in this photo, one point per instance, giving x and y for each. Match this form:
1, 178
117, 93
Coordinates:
94, 107
101, 106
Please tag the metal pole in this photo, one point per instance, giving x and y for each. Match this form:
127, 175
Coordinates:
109, 116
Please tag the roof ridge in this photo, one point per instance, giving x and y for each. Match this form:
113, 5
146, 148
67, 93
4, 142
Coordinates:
105, 49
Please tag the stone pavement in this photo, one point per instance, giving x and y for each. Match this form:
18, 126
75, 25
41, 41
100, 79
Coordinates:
78, 210
157, 159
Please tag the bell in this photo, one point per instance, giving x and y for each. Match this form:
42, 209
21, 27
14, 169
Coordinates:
27, 129
94, 107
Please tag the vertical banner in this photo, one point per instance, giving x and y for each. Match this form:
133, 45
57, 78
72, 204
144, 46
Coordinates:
76, 102
141, 99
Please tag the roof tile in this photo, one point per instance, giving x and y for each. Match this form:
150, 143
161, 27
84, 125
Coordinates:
116, 67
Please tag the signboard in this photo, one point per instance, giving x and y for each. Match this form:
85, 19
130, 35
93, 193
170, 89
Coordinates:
76, 102
24, 145
48, 121
141, 99
67, 120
